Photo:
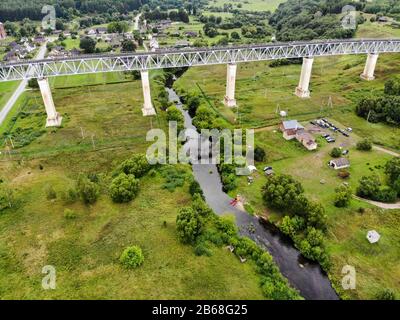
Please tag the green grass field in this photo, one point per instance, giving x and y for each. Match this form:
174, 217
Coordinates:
6, 91
85, 250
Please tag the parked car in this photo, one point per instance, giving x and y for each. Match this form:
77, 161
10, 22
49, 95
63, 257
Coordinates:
345, 152
326, 135
267, 168
349, 129
330, 140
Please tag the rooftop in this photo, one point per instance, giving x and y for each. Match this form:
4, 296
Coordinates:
291, 124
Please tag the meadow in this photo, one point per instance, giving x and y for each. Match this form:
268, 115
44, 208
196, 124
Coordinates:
85, 249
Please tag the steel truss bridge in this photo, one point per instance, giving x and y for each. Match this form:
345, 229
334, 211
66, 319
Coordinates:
84, 64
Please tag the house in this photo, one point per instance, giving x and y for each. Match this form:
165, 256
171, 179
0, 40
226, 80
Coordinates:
92, 32
11, 56
3, 33
191, 34
182, 44
383, 19
154, 45
340, 163
101, 30
39, 40
306, 139
290, 128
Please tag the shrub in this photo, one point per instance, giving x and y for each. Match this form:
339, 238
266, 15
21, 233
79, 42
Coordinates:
344, 174
343, 196
132, 257
385, 294
136, 165
195, 188
392, 169
173, 114
364, 145
50, 193
368, 187
124, 188
6, 198
336, 152
201, 249
386, 194
259, 154
188, 224
69, 214
87, 190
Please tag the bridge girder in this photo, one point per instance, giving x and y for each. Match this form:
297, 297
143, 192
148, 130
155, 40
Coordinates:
86, 64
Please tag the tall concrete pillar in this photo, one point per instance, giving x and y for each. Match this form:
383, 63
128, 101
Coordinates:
53, 117
369, 69
230, 100
302, 90
148, 109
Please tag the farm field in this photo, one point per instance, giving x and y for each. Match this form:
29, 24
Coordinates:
85, 249
251, 5
6, 91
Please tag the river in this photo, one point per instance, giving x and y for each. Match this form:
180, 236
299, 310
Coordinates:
304, 275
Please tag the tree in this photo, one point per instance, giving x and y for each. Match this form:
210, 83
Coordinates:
364, 145
87, 44
368, 187
259, 154
117, 27
336, 152
188, 225
392, 169
128, 46
174, 114
316, 216
124, 188
137, 165
342, 196
88, 190
281, 192
132, 257
235, 35
195, 188
33, 83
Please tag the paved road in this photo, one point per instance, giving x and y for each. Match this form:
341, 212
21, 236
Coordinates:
21, 88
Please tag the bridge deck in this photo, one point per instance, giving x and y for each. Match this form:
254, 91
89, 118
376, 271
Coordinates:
83, 64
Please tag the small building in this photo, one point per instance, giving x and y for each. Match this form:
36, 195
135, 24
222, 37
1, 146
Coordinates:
373, 236
101, 30
154, 45
340, 163
191, 34
182, 44
3, 33
290, 129
306, 139
92, 32
39, 39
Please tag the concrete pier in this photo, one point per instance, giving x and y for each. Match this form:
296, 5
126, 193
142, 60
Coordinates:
230, 100
370, 65
53, 117
148, 109
302, 90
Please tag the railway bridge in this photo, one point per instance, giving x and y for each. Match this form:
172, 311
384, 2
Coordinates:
229, 55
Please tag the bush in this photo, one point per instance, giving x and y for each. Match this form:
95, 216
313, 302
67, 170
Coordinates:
343, 196
137, 165
50, 193
188, 224
6, 198
386, 194
70, 196
392, 169
87, 190
124, 188
364, 145
344, 174
201, 249
174, 114
132, 257
385, 294
368, 187
69, 214
259, 154
336, 153
195, 188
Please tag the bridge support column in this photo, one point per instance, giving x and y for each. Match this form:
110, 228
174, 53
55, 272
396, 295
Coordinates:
53, 117
370, 65
302, 90
230, 100
148, 109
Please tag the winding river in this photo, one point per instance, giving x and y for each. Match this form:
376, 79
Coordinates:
304, 275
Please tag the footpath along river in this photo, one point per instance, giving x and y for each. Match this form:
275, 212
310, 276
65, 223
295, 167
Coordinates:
304, 275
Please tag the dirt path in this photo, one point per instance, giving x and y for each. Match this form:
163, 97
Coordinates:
380, 204
393, 153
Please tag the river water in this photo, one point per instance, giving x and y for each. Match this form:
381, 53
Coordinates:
304, 275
